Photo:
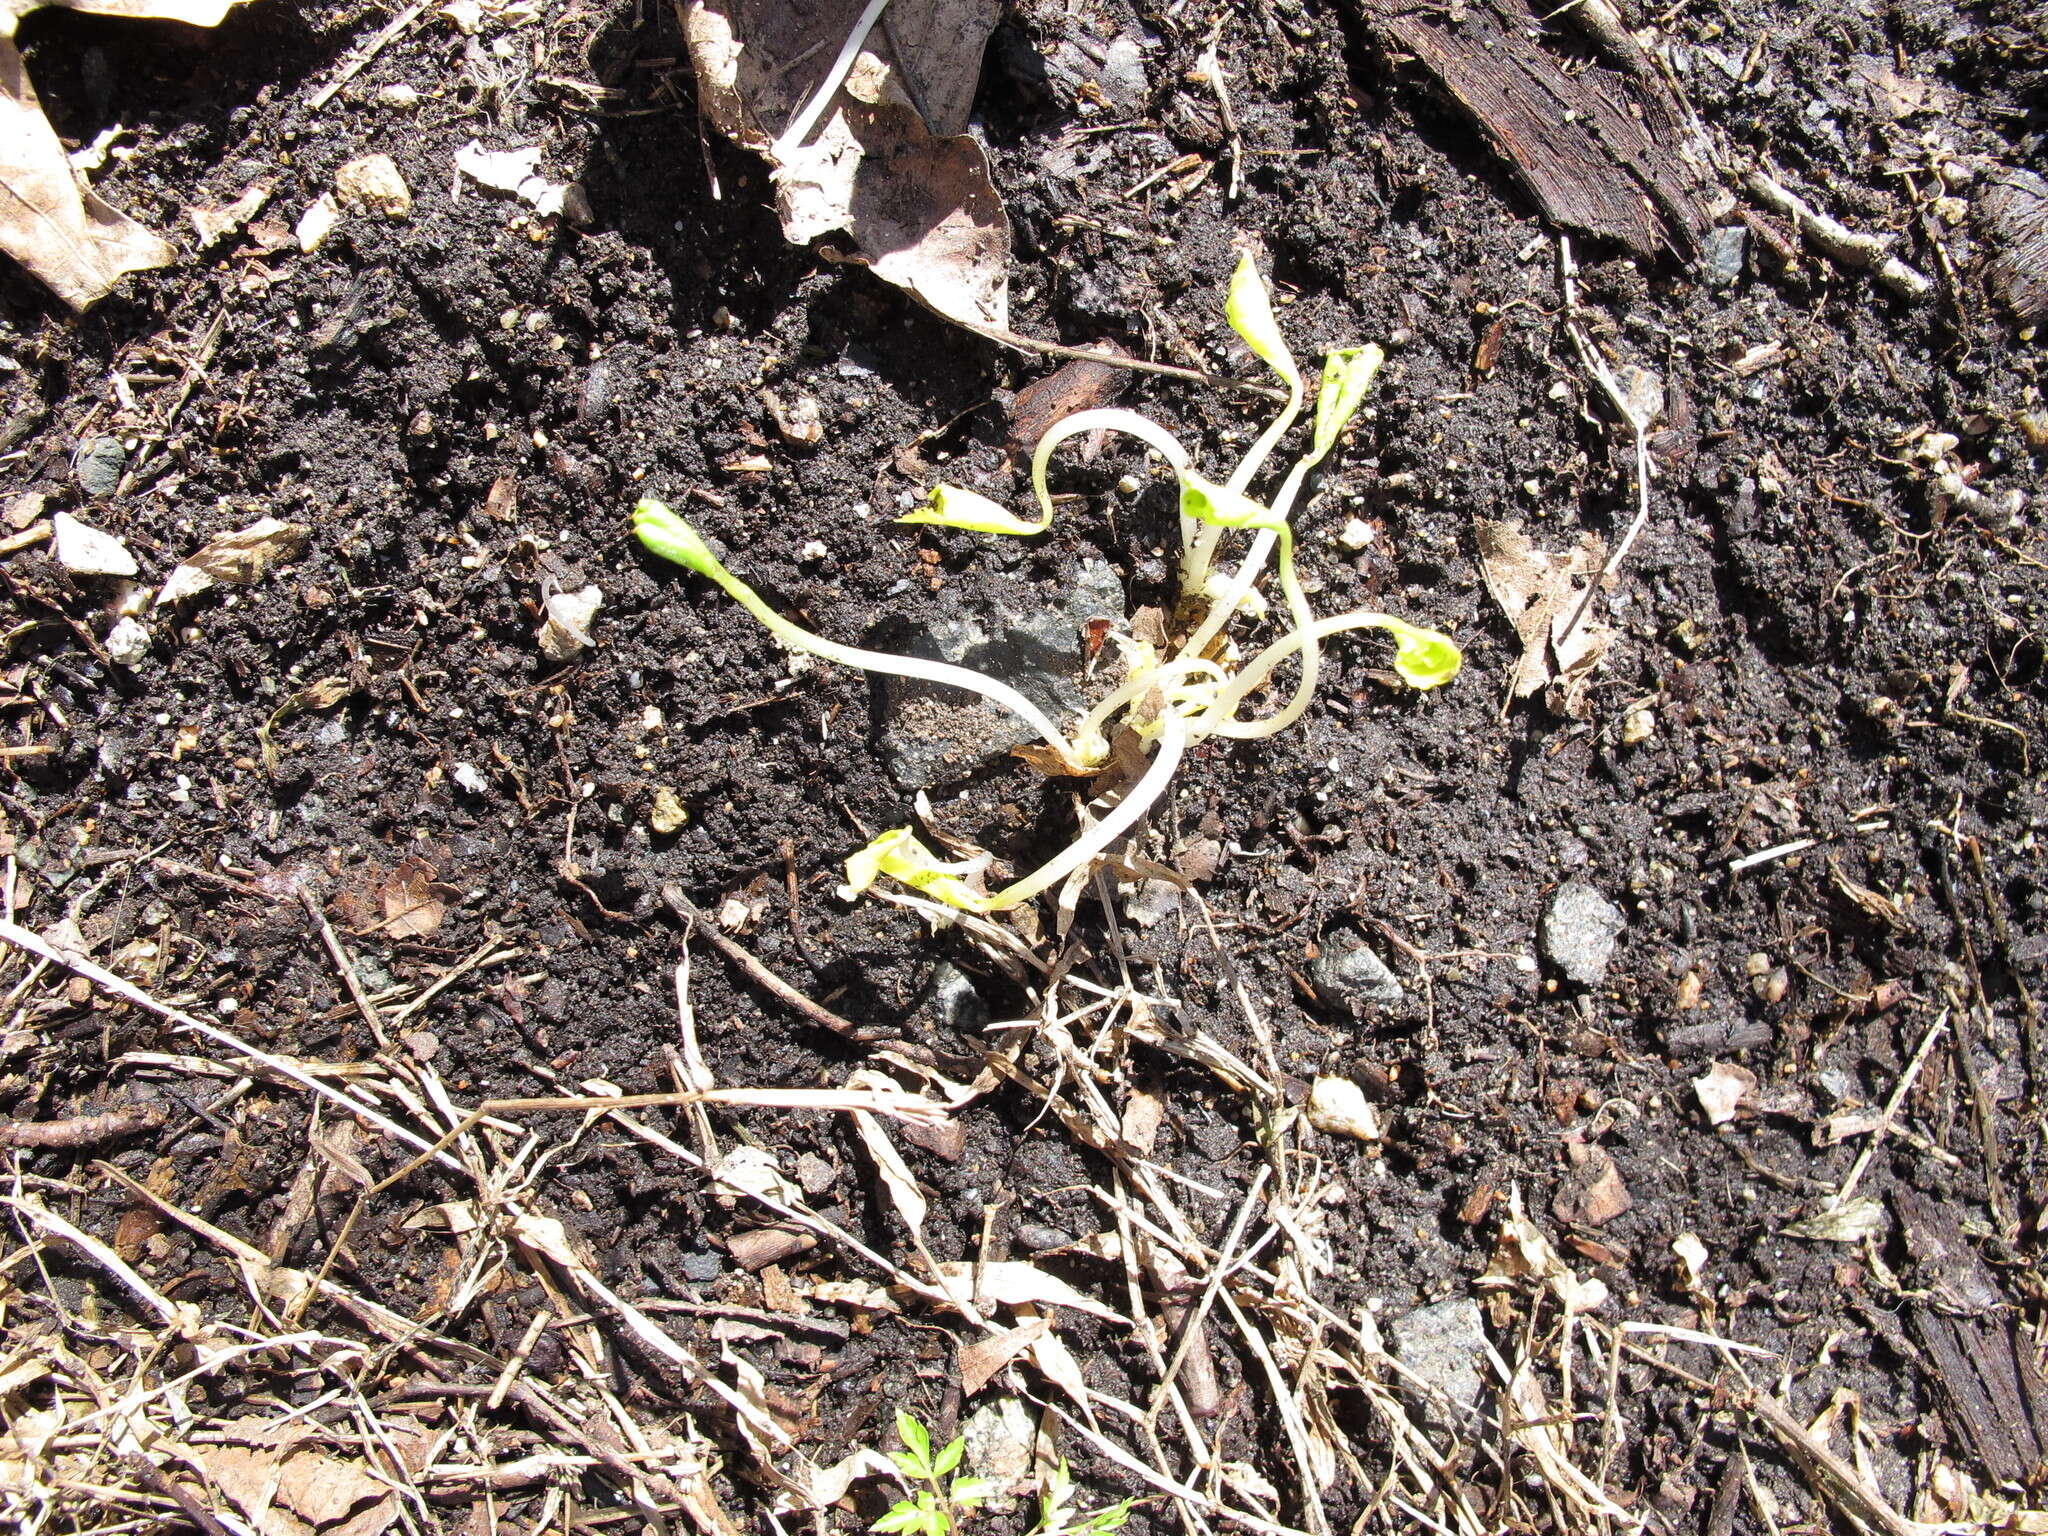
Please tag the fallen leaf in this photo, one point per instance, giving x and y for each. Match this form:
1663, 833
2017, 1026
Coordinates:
1541, 594
754, 1171
413, 902
323, 694
286, 1485
1691, 1254
214, 222
237, 558
51, 221
1875, 903
565, 633
982, 1359
517, 171
1144, 1113
1524, 1253
888, 159
1721, 1090
1013, 1282
1849, 1223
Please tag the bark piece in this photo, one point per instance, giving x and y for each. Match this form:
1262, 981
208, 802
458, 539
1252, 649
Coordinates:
1608, 154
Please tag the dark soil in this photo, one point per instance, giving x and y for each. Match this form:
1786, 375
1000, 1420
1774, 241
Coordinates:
1828, 652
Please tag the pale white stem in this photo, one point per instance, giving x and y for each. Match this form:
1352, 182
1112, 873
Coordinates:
806, 119
1125, 815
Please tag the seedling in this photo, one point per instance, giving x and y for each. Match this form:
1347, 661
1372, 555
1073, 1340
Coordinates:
1197, 687
936, 1507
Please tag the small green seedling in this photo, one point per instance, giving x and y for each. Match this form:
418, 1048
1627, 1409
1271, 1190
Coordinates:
1168, 700
935, 1506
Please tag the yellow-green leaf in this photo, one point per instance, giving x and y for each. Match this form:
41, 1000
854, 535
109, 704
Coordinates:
1347, 375
1250, 312
951, 506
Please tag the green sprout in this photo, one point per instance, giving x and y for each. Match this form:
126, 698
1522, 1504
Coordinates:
934, 1507
1168, 700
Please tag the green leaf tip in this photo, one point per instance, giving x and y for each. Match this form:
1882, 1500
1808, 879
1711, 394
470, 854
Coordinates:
662, 533
1249, 308
951, 506
899, 855
1425, 658
1347, 375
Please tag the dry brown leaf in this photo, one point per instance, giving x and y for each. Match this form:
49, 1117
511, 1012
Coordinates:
889, 161
1015, 1283
1144, 1112
322, 694
50, 220
286, 1485
982, 1359
237, 558
1875, 903
413, 902
1541, 594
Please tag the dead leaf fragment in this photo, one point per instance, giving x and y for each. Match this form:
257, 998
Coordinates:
1013, 1283
1847, 1223
1721, 1090
413, 901
51, 221
1541, 594
889, 161
214, 222
565, 633
517, 171
237, 558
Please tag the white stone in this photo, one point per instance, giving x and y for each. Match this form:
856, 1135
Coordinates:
85, 551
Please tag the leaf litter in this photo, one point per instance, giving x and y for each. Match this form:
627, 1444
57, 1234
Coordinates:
51, 221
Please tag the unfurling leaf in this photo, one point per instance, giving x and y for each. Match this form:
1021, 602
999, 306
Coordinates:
1347, 375
1250, 312
952, 507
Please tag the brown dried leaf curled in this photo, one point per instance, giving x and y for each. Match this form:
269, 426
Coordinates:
51, 221
888, 162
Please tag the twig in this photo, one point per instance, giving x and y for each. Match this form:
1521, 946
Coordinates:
1638, 427
376, 45
80, 1130
1009, 338
766, 979
28, 538
345, 965
1835, 1475
1883, 1127
1869, 253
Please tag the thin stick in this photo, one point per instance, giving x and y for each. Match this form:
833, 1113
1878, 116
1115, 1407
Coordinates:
1597, 366
762, 977
1883, 1127
345, 965
376, 45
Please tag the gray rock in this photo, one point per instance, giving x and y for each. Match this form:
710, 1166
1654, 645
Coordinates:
99, 466
1038, 1237
1349, 974
932, 735
1722, 254
1578, 932
960, 1005
701, 1265
1443, 1344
